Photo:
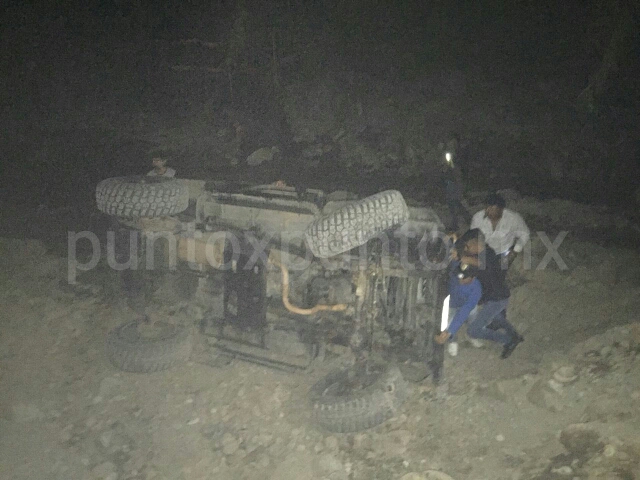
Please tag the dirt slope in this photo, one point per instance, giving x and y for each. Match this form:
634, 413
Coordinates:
66, 413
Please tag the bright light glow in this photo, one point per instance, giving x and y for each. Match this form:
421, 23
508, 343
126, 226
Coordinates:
448, 157
444, 322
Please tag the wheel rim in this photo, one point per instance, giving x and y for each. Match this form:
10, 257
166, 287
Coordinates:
355, 380
136, 333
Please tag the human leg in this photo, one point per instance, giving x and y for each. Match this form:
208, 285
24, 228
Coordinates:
478, 326
472, 316
501, 322
453, 214
452, 345
463, 211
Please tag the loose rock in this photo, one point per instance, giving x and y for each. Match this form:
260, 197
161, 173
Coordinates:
230, 444
105, 471
581, 440
23, 413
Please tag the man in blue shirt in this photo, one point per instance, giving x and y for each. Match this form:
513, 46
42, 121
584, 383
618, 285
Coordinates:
491, 322
465, 292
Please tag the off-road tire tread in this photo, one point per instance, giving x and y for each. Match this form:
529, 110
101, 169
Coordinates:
356, 223
145, 355
140, 196
361, 410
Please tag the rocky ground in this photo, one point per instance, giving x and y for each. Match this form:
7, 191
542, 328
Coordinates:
565, 405
79, 107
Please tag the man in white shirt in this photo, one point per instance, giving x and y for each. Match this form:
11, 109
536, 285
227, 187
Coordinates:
160, 168
505, 231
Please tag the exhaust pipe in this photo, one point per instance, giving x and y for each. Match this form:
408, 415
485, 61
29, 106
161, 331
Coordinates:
340, 307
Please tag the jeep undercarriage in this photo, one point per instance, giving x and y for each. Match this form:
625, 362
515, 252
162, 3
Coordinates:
275, 291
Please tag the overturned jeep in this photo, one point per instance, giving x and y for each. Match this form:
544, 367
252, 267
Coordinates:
289, 278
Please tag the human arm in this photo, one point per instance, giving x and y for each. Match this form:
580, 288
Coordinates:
473, 297
521, 238
522, 234
476, 220
470, 260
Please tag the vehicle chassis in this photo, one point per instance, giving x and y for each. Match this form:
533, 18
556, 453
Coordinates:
377, 299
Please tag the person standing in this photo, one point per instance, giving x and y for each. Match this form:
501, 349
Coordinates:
454, 188
504, 230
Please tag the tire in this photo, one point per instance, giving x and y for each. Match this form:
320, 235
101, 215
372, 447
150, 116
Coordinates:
141, 196
339, 406
356, 223
128, 350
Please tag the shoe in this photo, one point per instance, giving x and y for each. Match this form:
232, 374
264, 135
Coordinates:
511, 346
476, 343
452, 348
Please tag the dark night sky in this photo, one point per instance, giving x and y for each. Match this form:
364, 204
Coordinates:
102, 59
